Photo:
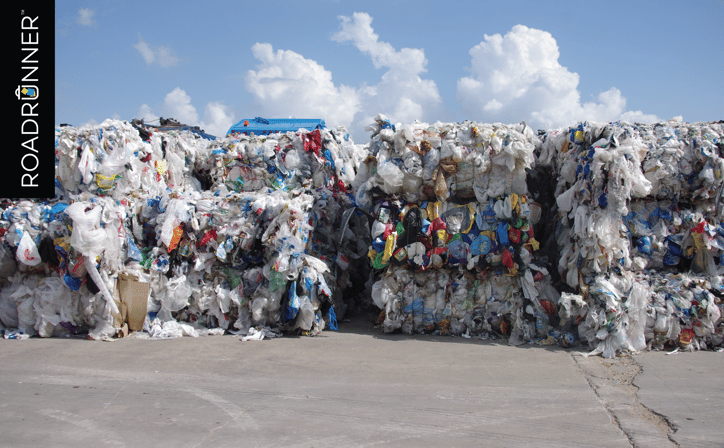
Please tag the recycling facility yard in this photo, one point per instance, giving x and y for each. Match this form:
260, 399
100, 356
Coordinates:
602, 236
356, 387
440, 283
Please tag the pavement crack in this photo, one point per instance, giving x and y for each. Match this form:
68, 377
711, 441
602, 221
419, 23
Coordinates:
590, 377
613, 383
660, 420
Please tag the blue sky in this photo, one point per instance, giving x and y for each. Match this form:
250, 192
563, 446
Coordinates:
550, 63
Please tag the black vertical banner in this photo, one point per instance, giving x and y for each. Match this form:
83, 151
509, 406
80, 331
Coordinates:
29, 165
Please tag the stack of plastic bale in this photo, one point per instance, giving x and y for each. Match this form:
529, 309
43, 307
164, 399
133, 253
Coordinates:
637, 205
115, 160
340, 238
286, 161
83, 237
322, 164
453, 246
235, 261
149, 205
599, 172
685, 165
55, 287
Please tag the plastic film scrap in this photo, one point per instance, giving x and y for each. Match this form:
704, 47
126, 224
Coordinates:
170, 234
602, 235
606, 236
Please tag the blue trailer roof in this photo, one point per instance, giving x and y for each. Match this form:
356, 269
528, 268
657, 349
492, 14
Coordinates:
261, 126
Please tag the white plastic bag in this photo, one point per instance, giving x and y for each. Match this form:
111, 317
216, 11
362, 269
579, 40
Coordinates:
392, 176
27, 252
88, 237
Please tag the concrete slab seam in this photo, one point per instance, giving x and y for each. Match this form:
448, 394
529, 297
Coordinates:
594, 388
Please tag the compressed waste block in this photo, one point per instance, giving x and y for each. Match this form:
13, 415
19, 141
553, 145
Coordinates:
217, 236
453, 241
606, 235
638, 231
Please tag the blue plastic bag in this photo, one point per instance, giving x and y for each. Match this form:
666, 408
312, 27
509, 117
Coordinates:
292, 308
332, 319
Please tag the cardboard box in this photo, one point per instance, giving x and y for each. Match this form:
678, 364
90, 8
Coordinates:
133, 295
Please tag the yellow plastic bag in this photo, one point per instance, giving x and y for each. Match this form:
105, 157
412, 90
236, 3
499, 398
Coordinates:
433, 210
390, 245
105, 183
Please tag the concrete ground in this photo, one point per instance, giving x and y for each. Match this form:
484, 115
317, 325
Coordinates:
355, 387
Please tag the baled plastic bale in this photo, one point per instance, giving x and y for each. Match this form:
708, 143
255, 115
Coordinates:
444, 302
13, 290
173, 294
287, 161
103, 156
454, 153
8, 308
116, 162
54, 304
620, 164
266, 306
25, 298
158, 254
678, 159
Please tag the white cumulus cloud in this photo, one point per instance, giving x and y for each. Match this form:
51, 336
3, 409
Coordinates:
218, 118
85, 17
518, 77
512, 78
402, 94
287, 84
160, 55
177, 105
146, 114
